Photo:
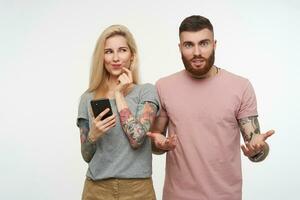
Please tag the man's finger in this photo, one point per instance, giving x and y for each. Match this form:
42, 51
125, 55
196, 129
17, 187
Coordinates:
174, 138
248, 146
268, 134
167, 141
152, 135
149, 134
245, 150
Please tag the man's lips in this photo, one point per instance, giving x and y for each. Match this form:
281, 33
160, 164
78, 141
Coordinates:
198, 61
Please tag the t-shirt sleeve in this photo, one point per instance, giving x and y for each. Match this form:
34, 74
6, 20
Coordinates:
248, 105
163, 111
149, 94
83, 109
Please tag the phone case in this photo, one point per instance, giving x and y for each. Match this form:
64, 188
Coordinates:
100, 105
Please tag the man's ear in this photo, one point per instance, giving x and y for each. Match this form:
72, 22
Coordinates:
215, 44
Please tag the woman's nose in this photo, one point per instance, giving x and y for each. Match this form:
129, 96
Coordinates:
116, 57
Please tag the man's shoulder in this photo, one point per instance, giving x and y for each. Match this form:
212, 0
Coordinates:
171, 78
233, 76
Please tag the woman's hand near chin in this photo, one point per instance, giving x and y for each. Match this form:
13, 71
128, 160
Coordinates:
125, 80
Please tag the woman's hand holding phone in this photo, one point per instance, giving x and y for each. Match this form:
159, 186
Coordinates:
100, 127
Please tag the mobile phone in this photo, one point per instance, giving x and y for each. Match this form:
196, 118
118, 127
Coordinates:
99, 105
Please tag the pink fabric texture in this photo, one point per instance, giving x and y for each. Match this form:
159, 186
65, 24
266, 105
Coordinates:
206, 163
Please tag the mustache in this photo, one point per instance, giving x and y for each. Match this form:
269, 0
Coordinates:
198, 57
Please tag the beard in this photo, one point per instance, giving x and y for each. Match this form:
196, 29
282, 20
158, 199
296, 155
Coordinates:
209, 62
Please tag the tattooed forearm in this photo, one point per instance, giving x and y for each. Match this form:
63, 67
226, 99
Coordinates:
249, 126
88, 148
136, 128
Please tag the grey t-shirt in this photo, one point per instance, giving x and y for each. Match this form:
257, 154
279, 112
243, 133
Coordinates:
114, 157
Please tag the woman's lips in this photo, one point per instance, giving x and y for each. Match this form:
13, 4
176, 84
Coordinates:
116, 66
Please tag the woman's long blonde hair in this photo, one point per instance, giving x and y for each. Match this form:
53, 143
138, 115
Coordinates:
98, 74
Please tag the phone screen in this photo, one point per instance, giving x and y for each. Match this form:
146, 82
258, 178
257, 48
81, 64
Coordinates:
100, 105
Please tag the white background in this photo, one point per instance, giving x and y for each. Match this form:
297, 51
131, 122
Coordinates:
45, 54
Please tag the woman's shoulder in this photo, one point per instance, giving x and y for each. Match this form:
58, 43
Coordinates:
86, 95
142, 89
145, 87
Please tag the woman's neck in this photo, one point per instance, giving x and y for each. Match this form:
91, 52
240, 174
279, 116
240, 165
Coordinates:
107, 90
112, 83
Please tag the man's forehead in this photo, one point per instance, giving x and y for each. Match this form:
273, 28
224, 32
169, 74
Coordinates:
203, 34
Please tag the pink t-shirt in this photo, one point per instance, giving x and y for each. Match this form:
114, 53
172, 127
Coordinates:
206, 163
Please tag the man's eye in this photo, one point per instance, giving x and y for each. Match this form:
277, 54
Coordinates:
204, 44
188, 45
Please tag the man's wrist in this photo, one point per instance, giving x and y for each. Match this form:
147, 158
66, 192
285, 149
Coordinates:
261, 155
157, 150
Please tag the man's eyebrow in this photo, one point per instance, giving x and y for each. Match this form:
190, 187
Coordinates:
187, 42
204, 40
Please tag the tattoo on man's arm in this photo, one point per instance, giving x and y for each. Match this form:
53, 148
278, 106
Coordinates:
249, 126
261, 155
88, 148
137, 127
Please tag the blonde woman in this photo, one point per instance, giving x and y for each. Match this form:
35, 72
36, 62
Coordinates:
116, 148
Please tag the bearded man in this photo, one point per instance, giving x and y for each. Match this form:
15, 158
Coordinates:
205, 110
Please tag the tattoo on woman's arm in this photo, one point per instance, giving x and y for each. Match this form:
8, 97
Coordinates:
88, 148
137, 127
249, 126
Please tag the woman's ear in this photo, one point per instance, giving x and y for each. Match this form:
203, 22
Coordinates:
131, 62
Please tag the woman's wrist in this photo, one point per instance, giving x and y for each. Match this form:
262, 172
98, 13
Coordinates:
124, 90
91, 138
118, 93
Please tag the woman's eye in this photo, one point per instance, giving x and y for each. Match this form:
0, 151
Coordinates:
123, 50
108, 51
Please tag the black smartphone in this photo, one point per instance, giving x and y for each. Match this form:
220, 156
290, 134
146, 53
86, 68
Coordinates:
99, 105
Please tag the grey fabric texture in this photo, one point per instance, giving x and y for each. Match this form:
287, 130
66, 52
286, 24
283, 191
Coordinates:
114, 157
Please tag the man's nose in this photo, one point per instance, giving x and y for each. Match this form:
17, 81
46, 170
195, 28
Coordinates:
197, 51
